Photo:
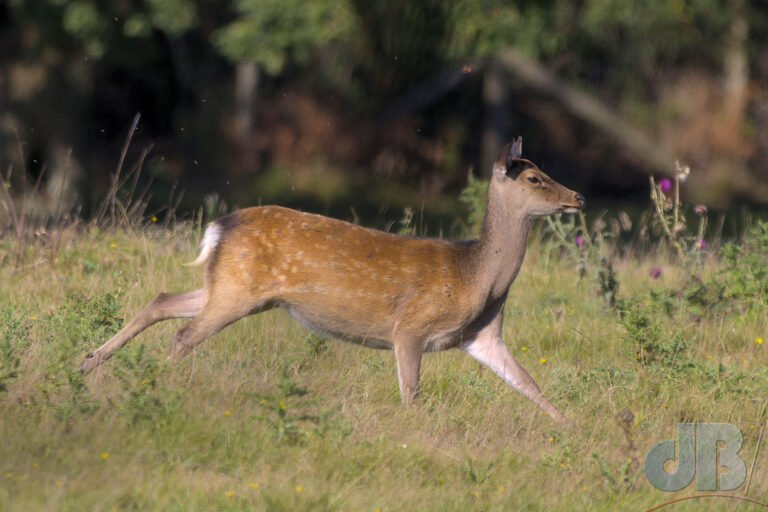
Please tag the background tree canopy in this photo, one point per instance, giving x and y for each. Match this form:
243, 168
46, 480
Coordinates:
328, 104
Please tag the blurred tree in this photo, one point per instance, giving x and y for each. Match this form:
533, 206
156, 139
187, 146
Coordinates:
99, 25
98, 63
267, 34
74, 62
271, 33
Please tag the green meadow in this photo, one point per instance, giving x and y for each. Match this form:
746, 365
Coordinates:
627, 332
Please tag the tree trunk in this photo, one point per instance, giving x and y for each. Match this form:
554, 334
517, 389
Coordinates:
246, 86
736, 70
495, 112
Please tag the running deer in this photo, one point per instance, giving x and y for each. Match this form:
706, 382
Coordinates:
381, 290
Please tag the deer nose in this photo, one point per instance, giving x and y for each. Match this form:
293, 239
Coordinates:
580, 199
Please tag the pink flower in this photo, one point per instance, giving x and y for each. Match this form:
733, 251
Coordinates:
655, 272
579, 240
665, 185
703, 244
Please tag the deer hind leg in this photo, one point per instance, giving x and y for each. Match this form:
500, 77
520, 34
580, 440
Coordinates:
408, 356
491, 351
220, 311
162, 307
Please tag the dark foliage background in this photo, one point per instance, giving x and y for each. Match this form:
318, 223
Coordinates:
381, 104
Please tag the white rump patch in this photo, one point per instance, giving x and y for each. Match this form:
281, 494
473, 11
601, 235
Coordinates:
208, 244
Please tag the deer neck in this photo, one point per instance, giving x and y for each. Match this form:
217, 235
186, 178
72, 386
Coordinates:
500, 250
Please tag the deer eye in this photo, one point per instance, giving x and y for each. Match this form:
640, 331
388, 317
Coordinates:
534, 180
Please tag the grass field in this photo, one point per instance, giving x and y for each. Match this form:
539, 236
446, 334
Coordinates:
266, 416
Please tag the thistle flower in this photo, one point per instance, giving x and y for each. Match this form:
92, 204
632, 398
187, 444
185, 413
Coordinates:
579, 240
703, 244
665, 185
700, 210
655, 272
682, 171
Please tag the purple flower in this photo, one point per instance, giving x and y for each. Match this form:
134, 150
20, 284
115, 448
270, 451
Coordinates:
700, 210
665, 185
703, 244
579, 240
655, 272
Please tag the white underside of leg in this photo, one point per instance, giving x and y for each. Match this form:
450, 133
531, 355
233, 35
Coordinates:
493, 353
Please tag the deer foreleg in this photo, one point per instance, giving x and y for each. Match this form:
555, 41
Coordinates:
408, 355
490, 350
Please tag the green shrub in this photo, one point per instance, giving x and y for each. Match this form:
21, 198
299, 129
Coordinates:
146, 399
70, 332
644, 331
473, 196
14, 338
746, 267
293, 418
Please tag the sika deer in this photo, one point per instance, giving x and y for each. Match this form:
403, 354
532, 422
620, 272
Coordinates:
385, 291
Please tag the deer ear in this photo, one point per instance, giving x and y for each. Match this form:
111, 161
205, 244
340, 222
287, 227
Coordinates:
507, 163
516, 151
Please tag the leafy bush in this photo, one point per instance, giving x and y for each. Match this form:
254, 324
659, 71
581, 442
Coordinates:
147, 399
473, 196
69, 331
645, 332
746, 267
587, 249
14, 338
287, 412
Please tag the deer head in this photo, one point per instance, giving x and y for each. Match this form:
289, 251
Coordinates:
523, 187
